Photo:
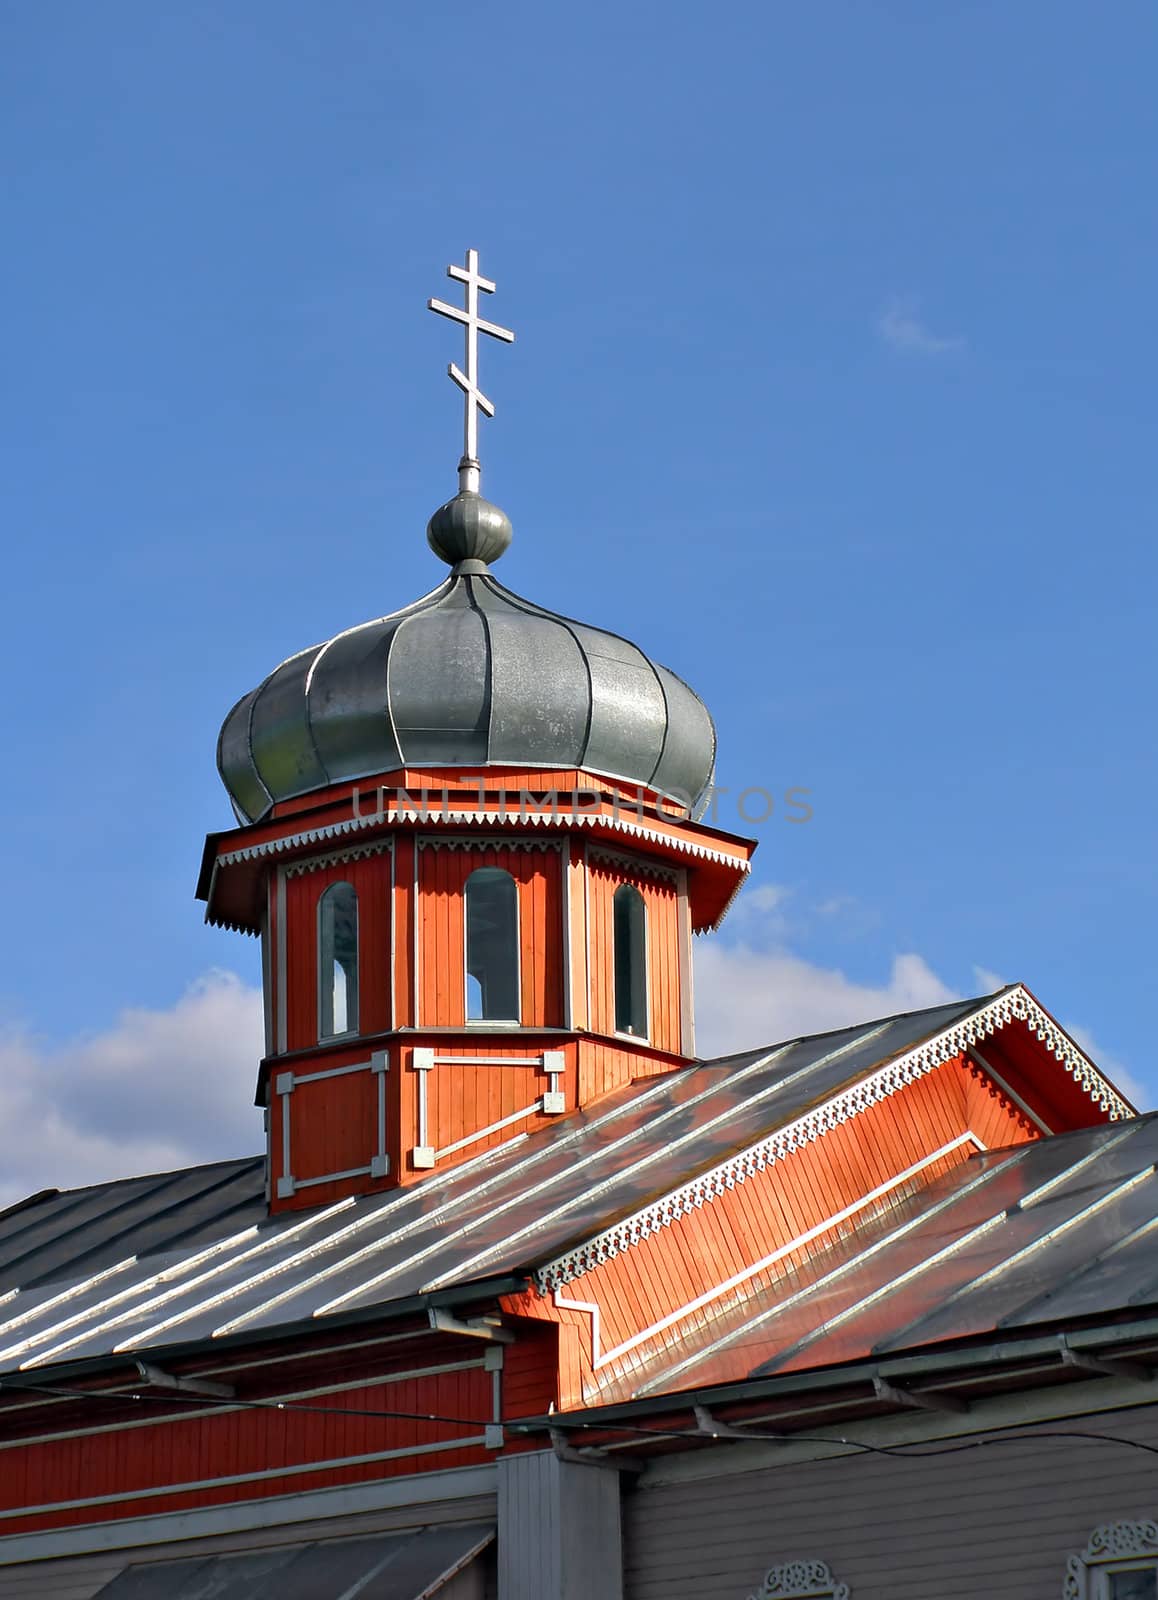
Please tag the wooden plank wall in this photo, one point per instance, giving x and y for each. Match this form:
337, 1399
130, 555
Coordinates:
123, 1452
371, 881
442, 875
462, 1099
81, 1577
604, 1066
998, 1521
663, 936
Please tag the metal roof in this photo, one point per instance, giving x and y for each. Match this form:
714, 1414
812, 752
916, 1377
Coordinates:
179, 1261
1054, 1231
387, 1566
470, 675
63, 1234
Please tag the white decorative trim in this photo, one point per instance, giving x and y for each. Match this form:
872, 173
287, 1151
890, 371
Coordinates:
800, 1579
1113, 1541
1013, 1004
1019, 1003
533, 819
636, 865
552, 1102
473, 841
356, 852
284, 1085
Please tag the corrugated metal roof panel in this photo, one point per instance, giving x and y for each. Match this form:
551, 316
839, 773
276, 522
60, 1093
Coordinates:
1062, 1228
189, 1256
392, 1566
79, 1231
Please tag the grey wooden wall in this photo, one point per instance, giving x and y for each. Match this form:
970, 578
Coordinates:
997, 1521
81, 1577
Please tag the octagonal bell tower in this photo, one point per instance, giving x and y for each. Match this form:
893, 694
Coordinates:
468, 841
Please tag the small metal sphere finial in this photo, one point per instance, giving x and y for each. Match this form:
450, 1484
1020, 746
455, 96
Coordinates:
468, 528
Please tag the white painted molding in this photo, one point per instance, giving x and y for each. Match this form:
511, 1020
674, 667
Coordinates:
639, 866
552, 1102
334, 858
1112, 1542
485, 819
285, 1084
474, 841
1015, 1004
800, 1580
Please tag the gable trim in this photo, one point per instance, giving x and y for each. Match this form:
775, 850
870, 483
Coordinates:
1014, 1004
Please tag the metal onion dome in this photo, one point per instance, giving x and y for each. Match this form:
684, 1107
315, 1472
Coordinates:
471, 675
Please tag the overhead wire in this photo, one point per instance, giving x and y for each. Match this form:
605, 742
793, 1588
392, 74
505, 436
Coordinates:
913, 1449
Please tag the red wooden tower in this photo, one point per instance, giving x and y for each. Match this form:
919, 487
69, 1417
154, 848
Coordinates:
467, 844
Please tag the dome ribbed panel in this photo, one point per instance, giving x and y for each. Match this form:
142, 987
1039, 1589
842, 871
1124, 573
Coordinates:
540, 694
689, 752
235, 762
628, 714
279, 731
347, 703
471, 675
438, 683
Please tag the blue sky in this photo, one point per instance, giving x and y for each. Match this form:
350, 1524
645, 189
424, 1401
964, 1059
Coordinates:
833, 388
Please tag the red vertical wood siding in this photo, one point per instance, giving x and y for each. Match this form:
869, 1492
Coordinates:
663, 949
198, 1445
370, 879
461, 1099
404, 917
442, 875
604, 1066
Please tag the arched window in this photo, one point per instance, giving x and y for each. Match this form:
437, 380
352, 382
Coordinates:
630, 936
338, 961
492, 946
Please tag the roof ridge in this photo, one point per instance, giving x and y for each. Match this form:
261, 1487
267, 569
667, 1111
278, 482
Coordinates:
849, 1027
135, 1177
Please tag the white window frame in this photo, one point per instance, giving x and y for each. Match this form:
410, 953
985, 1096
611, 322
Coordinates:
1113, 1547
801, 1580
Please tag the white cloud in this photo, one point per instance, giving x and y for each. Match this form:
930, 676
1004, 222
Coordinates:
988, 981
900, 326
166, 1089
157, 1090
747, 997
766, 897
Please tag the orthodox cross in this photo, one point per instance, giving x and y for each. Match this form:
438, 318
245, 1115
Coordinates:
473, 398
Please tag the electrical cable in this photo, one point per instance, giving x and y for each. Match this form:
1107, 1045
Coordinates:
916, 1449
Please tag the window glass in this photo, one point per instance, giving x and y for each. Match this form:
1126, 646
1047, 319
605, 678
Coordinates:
630, 961
338, 961
1136, 1583
492, 946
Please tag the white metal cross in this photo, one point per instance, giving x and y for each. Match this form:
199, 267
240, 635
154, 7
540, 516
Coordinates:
473, 397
